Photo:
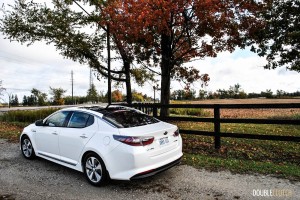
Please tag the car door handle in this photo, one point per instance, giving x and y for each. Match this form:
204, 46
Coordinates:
54, 133
83, 136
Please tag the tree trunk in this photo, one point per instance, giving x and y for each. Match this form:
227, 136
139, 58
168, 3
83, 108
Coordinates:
128, 82
126, 63
166, 66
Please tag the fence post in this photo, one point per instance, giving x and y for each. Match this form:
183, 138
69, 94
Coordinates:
217, 126
154, 111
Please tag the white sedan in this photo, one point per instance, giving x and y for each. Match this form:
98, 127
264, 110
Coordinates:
113, 142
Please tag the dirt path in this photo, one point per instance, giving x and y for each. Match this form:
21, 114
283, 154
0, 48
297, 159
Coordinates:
40, 179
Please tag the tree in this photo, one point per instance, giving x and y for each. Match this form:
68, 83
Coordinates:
202, 94
25, 101
75, 100
268, 94
279, 41
1, 89
57, 98
178, 95
116, 96
31, 100
170, 33
92, 94
40, 98
137, 96
14, 101
223, 94
235, 91
242, 95
189, 94
281, 93
65, 27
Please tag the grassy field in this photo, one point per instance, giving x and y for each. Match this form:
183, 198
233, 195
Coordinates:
281, 159
276, 158
240, 101
11, 130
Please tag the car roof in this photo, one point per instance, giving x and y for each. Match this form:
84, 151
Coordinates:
100, 110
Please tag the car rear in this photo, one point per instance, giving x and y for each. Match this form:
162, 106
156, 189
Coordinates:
146, 146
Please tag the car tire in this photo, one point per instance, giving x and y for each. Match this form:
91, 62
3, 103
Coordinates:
94, 169
27, 148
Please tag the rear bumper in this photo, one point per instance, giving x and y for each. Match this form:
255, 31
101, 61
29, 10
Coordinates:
153, 172
126, 163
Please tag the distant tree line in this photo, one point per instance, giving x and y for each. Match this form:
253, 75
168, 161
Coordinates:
234, 92
57, 97
38, 98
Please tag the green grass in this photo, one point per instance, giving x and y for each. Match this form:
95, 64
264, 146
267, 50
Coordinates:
244, 155
290, 171
277, 158
293, 117
197, 112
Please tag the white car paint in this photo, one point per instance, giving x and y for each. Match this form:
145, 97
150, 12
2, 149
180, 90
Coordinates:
67, 146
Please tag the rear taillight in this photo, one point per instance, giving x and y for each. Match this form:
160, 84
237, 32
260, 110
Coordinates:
176, 133
134, 141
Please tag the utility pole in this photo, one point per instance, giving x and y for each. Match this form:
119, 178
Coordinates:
154, 92
155, 87
9, 97
108, 67
72, 81
108, 53
91, 78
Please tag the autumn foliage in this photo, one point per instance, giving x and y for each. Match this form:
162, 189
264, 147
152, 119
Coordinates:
170, 33
164, 34
116, 96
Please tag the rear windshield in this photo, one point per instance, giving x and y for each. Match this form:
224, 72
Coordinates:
129, 118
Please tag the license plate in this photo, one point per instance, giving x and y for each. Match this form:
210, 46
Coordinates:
163, 141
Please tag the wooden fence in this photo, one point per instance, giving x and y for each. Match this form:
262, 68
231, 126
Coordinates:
217, 120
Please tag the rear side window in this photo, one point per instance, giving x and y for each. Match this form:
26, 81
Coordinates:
80, 120
129, 118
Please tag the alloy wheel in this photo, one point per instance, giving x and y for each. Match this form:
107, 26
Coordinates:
93, 169
27, 148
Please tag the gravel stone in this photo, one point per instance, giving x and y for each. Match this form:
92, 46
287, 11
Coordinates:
42, 179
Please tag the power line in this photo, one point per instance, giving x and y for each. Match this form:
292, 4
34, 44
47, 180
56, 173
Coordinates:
18, 89
88, 14
81, 8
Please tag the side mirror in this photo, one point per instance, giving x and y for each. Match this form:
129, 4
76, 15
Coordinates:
39, 123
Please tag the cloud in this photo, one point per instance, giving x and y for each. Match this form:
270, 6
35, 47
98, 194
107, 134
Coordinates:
245, 68
40, 66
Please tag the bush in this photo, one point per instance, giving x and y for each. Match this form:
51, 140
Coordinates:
199, 112
26, 115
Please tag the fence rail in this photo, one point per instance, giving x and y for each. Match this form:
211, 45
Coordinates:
217, 120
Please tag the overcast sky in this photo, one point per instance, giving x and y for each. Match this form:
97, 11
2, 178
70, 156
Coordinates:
40, 66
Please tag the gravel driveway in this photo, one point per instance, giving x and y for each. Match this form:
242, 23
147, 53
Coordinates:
41, 179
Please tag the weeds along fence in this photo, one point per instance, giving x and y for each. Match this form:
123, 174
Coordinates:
27, 116
153, 109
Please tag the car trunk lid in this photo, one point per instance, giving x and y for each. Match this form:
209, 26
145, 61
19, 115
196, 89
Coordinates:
163, 133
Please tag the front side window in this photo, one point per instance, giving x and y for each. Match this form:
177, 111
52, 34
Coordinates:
80, 120
57, 120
